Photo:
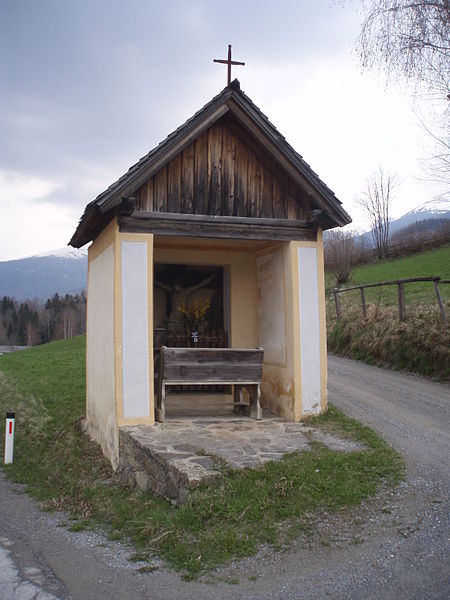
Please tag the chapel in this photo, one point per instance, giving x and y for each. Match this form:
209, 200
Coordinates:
213, 239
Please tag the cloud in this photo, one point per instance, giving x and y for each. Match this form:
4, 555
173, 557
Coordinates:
29, 221
24, 188
90, 87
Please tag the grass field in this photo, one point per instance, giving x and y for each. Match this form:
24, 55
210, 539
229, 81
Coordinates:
425, 264
429, 263
228, 519
421, 342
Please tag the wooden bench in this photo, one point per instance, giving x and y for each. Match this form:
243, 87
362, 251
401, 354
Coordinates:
206, 366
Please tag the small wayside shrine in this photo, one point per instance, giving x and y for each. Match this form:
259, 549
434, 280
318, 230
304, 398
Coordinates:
213, 239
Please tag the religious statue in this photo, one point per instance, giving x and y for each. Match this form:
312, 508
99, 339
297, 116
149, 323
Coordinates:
179, 297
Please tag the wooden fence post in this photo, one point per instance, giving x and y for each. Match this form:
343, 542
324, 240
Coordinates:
401, 300
441, 304
337, 303
363, 302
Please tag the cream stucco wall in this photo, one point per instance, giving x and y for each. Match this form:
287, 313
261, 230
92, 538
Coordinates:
117, 359
264, 308
291, 311
100, 372
276, 316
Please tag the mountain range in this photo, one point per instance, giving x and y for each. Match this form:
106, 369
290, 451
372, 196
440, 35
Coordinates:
65, 271
433, 210
42, 275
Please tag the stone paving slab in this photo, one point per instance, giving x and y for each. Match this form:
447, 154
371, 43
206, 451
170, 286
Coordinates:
171, 457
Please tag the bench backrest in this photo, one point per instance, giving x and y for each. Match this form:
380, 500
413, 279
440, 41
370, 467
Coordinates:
211, 365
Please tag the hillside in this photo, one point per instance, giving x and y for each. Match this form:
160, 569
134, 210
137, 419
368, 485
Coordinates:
433, 209
425, 264
420, 342
431, 263
438, 209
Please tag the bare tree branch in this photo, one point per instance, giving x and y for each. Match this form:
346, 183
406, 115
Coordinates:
410, 40
340, 254
376, 202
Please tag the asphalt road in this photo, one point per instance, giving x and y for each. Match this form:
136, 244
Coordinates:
395, 546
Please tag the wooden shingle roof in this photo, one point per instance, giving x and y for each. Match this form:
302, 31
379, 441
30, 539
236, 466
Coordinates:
232, 99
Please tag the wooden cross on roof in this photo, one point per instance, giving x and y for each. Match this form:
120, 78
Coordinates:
228, 62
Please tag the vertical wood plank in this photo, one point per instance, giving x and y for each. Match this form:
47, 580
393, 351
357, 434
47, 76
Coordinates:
241, 178
161, 190
201, 174
251, 190
215, 169
290, 198
277, 204
267, 191
303, 206
149, 202
174, 185
187, 180
255, 183
137, 199
363, 302
284, 181
291, 207
143, 198
259, 178
228, 171
440, 303
337, 303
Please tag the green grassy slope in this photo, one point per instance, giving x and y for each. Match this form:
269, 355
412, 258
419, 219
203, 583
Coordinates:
226, 519
426, 264
54, 373
421, 342
432, 263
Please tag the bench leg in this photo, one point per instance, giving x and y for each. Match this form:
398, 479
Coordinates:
160, 412
237, 398
255, 402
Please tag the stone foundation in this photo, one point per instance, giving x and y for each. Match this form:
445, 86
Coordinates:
167, 474
171, 458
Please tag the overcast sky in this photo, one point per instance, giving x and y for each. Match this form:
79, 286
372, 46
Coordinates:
87, 87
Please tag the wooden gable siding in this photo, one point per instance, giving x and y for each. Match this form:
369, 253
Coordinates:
224, 172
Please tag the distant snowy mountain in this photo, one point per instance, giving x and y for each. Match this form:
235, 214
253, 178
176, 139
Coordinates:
40, 276
68, 252
433, 209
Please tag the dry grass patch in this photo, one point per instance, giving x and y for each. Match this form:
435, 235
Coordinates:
420, 343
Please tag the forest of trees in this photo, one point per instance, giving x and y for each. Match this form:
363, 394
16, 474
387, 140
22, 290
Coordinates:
30, 323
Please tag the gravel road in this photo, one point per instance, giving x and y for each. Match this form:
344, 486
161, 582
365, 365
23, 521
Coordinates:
395, 546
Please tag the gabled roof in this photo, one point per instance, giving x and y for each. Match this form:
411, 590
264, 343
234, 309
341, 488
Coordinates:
231, 99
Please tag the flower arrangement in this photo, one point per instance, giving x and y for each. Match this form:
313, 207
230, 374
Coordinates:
195, 312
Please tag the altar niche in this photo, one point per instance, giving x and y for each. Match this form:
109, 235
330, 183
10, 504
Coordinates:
189, 306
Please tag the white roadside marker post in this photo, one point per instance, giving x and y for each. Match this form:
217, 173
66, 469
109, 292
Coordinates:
9, 437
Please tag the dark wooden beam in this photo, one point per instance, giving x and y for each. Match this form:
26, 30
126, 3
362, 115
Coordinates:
217, 227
